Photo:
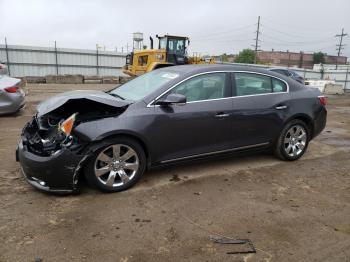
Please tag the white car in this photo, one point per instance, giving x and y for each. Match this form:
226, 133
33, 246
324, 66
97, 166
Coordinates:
12, 96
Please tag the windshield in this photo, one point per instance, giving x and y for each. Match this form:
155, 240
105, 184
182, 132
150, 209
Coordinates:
142, 86
162, 43
176, 46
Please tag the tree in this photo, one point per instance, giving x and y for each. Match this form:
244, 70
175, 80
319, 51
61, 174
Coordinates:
224, 57
319, 58
246, 56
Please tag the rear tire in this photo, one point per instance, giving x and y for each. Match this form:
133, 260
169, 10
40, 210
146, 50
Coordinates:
116, 166
293, 141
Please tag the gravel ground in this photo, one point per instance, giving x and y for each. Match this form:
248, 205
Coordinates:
297, 211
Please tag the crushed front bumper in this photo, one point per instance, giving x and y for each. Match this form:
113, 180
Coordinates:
57, 173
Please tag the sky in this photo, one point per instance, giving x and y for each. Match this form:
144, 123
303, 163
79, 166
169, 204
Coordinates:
214, 27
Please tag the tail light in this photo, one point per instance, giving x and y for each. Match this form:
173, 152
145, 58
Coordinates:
323, 100
12, 89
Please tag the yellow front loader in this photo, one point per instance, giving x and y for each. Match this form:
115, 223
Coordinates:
172, 50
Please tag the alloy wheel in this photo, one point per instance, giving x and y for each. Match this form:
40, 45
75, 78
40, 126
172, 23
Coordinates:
116, 165
295, 140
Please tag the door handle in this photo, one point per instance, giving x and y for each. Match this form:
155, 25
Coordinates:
281, 107
222, 115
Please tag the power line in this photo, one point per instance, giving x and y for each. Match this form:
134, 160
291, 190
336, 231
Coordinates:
288, 34
222, 37
294, 44
323, 48
283, 39
237, 29
324, 40
297, 28
234, 40
340, 46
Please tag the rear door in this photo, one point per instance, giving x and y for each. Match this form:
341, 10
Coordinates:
260, 105
200, 126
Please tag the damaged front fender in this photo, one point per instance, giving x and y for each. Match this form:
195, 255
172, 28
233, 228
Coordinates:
52, 159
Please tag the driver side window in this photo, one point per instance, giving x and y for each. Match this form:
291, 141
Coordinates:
202, 87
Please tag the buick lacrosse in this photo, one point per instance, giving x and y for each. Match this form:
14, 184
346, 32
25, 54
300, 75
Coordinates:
169, 115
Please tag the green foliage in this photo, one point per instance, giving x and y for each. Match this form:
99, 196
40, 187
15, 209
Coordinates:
224, 57
246, 56
319, 58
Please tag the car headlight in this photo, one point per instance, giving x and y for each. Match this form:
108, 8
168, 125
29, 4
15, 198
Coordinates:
67, 125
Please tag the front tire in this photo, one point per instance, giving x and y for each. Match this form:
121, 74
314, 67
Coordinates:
293, 140
116, 166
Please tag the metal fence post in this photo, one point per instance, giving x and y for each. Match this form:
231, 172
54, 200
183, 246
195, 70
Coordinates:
56, 59
97, 71
346, 78
7, 58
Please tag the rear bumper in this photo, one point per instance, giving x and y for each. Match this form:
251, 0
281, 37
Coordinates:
320, 122
56, 173
13, 104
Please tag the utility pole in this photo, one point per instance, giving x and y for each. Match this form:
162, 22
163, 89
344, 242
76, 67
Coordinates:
257, 46
340, 46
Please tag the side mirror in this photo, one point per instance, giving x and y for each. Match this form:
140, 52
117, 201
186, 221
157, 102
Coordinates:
172, 99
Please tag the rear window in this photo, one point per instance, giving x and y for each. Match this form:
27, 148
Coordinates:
252, 84
278, 85
255, 84
281, 71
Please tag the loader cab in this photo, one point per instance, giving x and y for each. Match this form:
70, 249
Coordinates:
175, 47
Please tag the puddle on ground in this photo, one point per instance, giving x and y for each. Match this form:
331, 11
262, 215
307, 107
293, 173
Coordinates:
331, 132
335, 136
341, 109
339, 142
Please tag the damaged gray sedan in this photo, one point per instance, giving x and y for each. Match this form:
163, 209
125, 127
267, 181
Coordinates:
169, 115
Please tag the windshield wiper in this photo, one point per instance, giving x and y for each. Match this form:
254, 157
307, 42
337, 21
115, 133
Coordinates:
115, 95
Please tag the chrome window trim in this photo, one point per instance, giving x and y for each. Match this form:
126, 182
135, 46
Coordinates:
215, 152
215, 99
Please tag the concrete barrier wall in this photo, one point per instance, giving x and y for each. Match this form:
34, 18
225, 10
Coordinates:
333, 89
42, 61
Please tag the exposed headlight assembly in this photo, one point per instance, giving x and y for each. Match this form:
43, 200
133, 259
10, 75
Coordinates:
67, 125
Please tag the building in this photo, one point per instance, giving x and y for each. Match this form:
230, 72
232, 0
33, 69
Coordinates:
230, 58
292, 59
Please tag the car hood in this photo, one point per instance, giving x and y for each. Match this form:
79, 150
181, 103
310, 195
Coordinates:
57, 101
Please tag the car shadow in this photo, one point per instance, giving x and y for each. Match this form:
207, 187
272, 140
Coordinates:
195, 169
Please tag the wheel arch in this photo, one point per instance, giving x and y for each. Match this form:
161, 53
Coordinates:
132, 136
306, 119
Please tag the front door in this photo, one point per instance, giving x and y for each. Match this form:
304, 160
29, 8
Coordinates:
201, 126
